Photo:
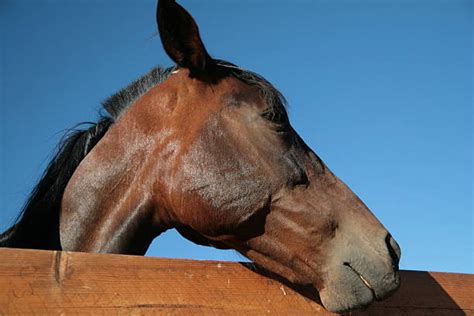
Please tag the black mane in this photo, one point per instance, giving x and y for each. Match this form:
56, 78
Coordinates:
37, 226
117, 104
120, 101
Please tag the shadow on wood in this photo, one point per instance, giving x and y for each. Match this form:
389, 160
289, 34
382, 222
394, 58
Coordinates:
421, 293
428, 293
47, 282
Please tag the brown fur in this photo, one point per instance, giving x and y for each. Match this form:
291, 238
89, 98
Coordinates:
196, 153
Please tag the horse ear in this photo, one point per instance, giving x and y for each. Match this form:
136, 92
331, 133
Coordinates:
180, 37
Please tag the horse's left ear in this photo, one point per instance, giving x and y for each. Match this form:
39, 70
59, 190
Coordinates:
180, 37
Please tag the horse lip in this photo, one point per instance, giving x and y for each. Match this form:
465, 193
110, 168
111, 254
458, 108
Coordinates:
364, 280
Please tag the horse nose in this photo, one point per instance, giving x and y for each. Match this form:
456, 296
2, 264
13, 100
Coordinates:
393, 250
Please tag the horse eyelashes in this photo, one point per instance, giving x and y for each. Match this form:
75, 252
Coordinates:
275, 115
280, 126
301, 178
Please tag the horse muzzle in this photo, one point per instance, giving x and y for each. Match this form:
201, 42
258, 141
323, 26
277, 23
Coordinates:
358, 275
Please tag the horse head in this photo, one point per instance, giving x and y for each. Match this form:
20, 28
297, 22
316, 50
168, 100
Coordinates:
211, 152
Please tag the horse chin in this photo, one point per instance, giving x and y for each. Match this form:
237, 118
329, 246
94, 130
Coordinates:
347, 289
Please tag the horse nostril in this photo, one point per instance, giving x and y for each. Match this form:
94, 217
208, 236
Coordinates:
393, 250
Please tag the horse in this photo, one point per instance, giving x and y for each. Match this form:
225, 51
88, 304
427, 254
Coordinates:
206, 147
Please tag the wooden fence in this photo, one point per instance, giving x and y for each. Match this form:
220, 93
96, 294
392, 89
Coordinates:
46, 282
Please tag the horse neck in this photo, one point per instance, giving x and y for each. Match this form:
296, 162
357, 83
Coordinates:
109, 204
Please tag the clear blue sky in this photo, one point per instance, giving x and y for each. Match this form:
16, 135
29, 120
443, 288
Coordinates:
381, 90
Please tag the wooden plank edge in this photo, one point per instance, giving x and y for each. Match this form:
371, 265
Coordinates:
45, 281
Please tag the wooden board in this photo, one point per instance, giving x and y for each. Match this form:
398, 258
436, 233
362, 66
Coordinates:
46, 282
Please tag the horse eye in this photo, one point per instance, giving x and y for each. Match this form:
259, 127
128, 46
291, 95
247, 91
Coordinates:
301, 179
268, 115
275, 116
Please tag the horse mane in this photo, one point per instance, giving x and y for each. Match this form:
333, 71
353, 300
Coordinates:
120, 101
37, 225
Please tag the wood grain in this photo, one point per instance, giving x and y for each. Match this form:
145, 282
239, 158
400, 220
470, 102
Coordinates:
46, 282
